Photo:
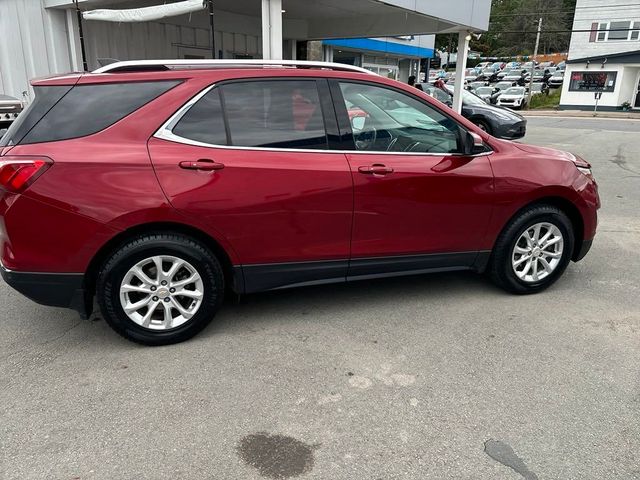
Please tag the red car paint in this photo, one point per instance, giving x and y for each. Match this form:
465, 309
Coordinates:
271, 206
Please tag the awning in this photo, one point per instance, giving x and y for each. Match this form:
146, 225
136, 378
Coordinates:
145, 14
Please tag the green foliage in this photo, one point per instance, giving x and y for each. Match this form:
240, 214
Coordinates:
546, 101
512, 28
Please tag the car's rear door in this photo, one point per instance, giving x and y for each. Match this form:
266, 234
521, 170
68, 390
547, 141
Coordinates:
418, 203
251, 159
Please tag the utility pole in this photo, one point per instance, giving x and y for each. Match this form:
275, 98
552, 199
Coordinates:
533, 61
85, 67
213, 34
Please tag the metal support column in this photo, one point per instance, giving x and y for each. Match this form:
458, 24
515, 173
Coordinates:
461, 65
272, 29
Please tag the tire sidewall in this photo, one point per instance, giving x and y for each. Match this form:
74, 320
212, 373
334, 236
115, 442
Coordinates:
554, 217
117, 267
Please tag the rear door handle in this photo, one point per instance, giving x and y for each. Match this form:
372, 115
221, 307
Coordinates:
375, 169
205, 164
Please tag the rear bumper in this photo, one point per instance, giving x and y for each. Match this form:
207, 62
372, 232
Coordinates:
53, 289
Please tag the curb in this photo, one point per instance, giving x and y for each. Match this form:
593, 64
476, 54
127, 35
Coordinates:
580, 114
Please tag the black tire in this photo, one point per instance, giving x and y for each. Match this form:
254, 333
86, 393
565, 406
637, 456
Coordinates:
144, 246
500, 268
483, 126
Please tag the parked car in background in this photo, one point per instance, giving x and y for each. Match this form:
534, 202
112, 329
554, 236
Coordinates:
503, 85
473, 85
511, 65
539, 88
514, 97
482, 65
499, 122
488, 75
497, 66
470, 75
515, 75
555, 81
487, 94
562, 66
178, 192
546, 64
10, 108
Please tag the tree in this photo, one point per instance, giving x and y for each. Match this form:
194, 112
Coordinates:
513, 25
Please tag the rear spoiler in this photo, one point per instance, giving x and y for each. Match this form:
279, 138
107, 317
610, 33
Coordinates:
66, 79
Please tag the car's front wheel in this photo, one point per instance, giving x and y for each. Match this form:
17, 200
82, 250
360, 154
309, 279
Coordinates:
533, 250
159, 289
484, 126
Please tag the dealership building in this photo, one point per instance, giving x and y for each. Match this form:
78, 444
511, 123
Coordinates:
42, 37
604, 56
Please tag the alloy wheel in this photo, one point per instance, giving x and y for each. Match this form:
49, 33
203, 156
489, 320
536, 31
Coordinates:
161, 292
537, 252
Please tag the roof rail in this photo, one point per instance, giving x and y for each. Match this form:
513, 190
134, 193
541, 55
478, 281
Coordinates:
146, 65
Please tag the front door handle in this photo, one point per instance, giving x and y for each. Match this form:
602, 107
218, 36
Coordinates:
375, 169
205, 164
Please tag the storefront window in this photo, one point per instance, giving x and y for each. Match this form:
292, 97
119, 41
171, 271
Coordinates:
592, 81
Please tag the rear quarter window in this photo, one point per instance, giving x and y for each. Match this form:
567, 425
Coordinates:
88, 109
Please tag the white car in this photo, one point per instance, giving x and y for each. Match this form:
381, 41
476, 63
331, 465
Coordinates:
514, 97
555, 81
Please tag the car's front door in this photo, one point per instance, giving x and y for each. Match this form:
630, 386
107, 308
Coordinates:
251, 161
414, 193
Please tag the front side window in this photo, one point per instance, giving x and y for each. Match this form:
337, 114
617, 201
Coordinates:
274, 114
385, 120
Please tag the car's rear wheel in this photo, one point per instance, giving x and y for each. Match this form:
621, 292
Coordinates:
533, 250
159, 289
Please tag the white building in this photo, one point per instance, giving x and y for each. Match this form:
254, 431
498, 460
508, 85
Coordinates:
604, 55
41, 37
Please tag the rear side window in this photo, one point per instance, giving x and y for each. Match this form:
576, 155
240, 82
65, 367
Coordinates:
275, 114
46, 97
204, 122
87, 109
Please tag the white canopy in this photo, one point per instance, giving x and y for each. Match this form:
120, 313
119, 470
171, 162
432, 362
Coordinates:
145, 14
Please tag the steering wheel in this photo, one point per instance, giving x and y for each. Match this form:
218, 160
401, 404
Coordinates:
366, 138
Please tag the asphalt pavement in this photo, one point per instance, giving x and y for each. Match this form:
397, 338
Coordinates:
433, 377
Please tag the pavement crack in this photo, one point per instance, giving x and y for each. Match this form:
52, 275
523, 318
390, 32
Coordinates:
620, 160
42, 344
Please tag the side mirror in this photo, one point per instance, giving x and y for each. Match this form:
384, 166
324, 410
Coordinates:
357, 123
472, 143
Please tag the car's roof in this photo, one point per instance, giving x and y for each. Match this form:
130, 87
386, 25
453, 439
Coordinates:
149, 70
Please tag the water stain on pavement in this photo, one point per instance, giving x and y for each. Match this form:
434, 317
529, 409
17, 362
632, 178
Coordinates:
276, 456
503, 453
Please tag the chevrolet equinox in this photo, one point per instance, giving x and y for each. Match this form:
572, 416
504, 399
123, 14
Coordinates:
156, 186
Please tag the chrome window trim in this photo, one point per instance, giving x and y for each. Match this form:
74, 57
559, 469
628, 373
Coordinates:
165, 132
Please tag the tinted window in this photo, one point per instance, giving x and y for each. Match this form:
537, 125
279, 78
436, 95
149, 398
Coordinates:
46, 97
275, 114
87, 109
204, 122
387, 120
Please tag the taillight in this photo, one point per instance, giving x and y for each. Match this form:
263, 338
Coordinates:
17, 172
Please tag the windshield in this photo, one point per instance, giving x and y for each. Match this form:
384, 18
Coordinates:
484, 91
514, 91
503, 85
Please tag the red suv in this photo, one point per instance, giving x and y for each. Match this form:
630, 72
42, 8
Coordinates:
156, 186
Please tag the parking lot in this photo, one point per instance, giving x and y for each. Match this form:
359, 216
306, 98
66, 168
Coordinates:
441, 376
